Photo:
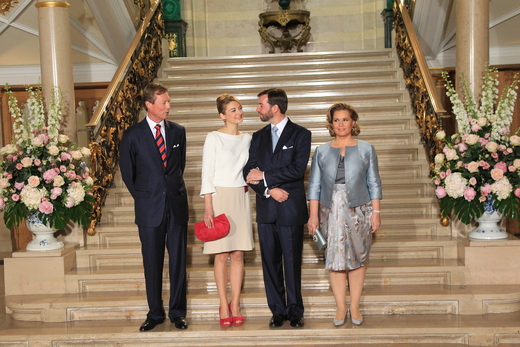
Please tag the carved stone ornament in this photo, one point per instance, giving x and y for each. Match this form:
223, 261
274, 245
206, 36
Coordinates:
287, 22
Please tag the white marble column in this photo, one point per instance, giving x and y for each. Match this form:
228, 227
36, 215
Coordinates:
472, 42
56, 58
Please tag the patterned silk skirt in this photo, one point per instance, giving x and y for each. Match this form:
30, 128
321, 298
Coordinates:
348, 232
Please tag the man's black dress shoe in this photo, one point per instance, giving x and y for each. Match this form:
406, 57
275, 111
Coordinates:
277, 321
180, 322
150, 323
297, 322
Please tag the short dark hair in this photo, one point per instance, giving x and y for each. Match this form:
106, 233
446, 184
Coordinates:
340, 106
276, 96
151, 91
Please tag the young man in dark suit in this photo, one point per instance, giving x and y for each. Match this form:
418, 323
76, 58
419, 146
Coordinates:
152, 161
278, 158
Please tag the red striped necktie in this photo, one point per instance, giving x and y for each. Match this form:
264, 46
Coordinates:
159, 141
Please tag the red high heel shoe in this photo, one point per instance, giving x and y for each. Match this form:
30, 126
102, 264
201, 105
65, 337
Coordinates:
225, 322
237, 320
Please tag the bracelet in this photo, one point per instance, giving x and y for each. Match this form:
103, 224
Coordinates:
313, 217
376, 211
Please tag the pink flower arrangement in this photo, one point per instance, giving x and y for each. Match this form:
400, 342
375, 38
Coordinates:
42, 172
480, 164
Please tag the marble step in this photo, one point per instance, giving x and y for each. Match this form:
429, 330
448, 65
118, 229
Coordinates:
392, 194
499, 330
321, 135
267, 66
389, 157
392, 207
394, 188
417, 300
388, 169
351, 97
314, 121
277, 58
383, 248
120, 233
290, 87
380, 272
225, 79
418, 188
400, 272
422, 207
206, 115
300, 112
402, 155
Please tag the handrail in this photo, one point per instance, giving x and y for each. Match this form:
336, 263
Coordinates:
118, 76
426, 103
419, 55
120, 107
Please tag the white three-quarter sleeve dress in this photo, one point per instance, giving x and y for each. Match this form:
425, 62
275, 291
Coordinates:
223, 158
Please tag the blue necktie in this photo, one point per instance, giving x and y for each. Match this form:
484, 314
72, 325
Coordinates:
274, 135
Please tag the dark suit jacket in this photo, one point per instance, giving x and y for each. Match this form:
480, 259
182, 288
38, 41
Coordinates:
151, 184
284, 168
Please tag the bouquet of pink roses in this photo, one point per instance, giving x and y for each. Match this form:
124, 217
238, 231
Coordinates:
43, 172
480, 165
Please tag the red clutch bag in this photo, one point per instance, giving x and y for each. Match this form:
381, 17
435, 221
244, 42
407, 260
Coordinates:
220, 229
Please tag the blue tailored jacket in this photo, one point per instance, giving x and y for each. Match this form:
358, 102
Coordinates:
361, 174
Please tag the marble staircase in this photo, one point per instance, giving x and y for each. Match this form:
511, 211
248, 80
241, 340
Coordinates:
416, 271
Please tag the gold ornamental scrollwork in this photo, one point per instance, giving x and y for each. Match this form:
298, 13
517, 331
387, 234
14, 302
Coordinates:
52, 4
6, 5
423, 98
173, 46
120, 110
283, 18
425, 116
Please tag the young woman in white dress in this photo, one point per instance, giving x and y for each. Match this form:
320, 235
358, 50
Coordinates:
224, 190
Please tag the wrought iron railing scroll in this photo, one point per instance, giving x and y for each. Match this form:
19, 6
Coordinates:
120, 107
426, 103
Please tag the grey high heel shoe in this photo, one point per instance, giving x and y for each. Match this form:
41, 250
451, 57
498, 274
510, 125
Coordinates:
340, 322
356, 321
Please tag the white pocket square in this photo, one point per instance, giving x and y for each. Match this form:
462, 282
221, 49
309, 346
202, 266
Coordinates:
175, 146
285, 147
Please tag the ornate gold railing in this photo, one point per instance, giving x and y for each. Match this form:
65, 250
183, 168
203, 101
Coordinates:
120, 107
426, 103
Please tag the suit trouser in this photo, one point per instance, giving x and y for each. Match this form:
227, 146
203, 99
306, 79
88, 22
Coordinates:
277, 244
153, 242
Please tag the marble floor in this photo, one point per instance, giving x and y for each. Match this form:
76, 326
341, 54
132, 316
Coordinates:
38, 334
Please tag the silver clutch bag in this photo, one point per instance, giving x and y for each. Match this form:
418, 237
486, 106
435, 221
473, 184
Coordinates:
319, 239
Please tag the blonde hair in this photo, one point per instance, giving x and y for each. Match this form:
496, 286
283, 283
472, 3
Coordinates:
223, 100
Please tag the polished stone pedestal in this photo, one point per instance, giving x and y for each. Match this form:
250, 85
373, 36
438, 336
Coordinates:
490, 261
29, 272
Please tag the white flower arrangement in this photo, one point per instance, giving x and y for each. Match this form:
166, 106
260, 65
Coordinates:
42, 172
480, 164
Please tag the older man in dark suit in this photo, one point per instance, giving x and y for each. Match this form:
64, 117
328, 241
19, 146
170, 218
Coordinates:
152, 161
278, 157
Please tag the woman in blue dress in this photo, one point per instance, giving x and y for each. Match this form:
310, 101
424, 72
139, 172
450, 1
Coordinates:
345, 195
